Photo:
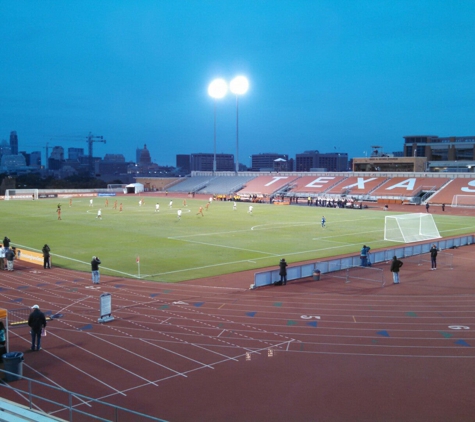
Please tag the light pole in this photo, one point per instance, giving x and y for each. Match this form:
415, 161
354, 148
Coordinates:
217, 89
238, 86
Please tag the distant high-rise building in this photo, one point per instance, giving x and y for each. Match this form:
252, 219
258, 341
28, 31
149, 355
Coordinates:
267, 162
5, 148
75, 153
204, 162
56, 158
35, 159
183, 162
114, 158
334, 161
14, 142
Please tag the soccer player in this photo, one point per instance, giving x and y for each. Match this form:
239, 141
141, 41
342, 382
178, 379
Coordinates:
170, 205
250, 209
99, 214
140, 202
120, 207
157, 207
323, 221
106, 203
115, 204
178, 213
91, 202
70, 202
207, 206
184, 202
234, 206
200, 211
58, 210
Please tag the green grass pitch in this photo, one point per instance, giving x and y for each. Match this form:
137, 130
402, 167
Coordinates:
172, 250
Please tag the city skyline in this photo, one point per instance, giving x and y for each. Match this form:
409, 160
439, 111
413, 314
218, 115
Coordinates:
333, 76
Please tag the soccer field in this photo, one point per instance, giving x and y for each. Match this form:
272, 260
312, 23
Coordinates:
172, 250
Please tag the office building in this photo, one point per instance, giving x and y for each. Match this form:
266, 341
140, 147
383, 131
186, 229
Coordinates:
316, 161
204, 162
14, 142
269, 162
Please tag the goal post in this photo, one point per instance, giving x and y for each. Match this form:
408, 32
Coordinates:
21, 194
408, 228
463, 201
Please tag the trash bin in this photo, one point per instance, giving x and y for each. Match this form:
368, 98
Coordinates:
316, 275
13, 362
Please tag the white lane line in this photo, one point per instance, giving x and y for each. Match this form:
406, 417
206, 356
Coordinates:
178, 354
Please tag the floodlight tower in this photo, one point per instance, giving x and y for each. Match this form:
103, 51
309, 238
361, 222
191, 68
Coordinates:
90, 140
238, 86
217, 89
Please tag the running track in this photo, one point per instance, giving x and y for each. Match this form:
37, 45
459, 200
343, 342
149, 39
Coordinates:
212, 350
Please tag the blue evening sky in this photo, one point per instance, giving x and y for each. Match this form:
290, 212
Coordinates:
327, 75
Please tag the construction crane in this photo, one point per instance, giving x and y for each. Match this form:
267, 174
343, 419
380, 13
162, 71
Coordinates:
90, 140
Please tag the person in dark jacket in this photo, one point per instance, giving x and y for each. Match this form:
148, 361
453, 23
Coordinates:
433, 256
9, 256
6, 242
283, 271
395, 265
95, 269
364, 255
46, 256
37, 322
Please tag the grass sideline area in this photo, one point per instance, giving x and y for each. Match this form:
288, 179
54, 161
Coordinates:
222, 241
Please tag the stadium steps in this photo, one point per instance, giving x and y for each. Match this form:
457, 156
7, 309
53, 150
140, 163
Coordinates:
13, 412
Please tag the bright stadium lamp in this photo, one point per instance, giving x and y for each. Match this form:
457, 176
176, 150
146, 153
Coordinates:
238, 86
217, 89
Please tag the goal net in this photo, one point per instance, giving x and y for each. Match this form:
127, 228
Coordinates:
463, 201
21, 194
409, 228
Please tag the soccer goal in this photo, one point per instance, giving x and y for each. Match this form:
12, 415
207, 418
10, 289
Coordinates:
463, 201
409, 228
21, 194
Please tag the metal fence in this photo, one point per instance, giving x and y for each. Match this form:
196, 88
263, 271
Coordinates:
416, 251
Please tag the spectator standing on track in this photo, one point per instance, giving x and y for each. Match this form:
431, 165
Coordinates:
364, 255
443, 207
427, 207
396, 264
46, 256
433, 257
37, 323
2, 258
6, 242
283, 271
9, 256
95, 269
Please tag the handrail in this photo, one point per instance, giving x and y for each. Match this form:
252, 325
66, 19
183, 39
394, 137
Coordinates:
70, 408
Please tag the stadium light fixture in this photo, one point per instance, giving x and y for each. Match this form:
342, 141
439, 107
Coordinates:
238, 86
217, 89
